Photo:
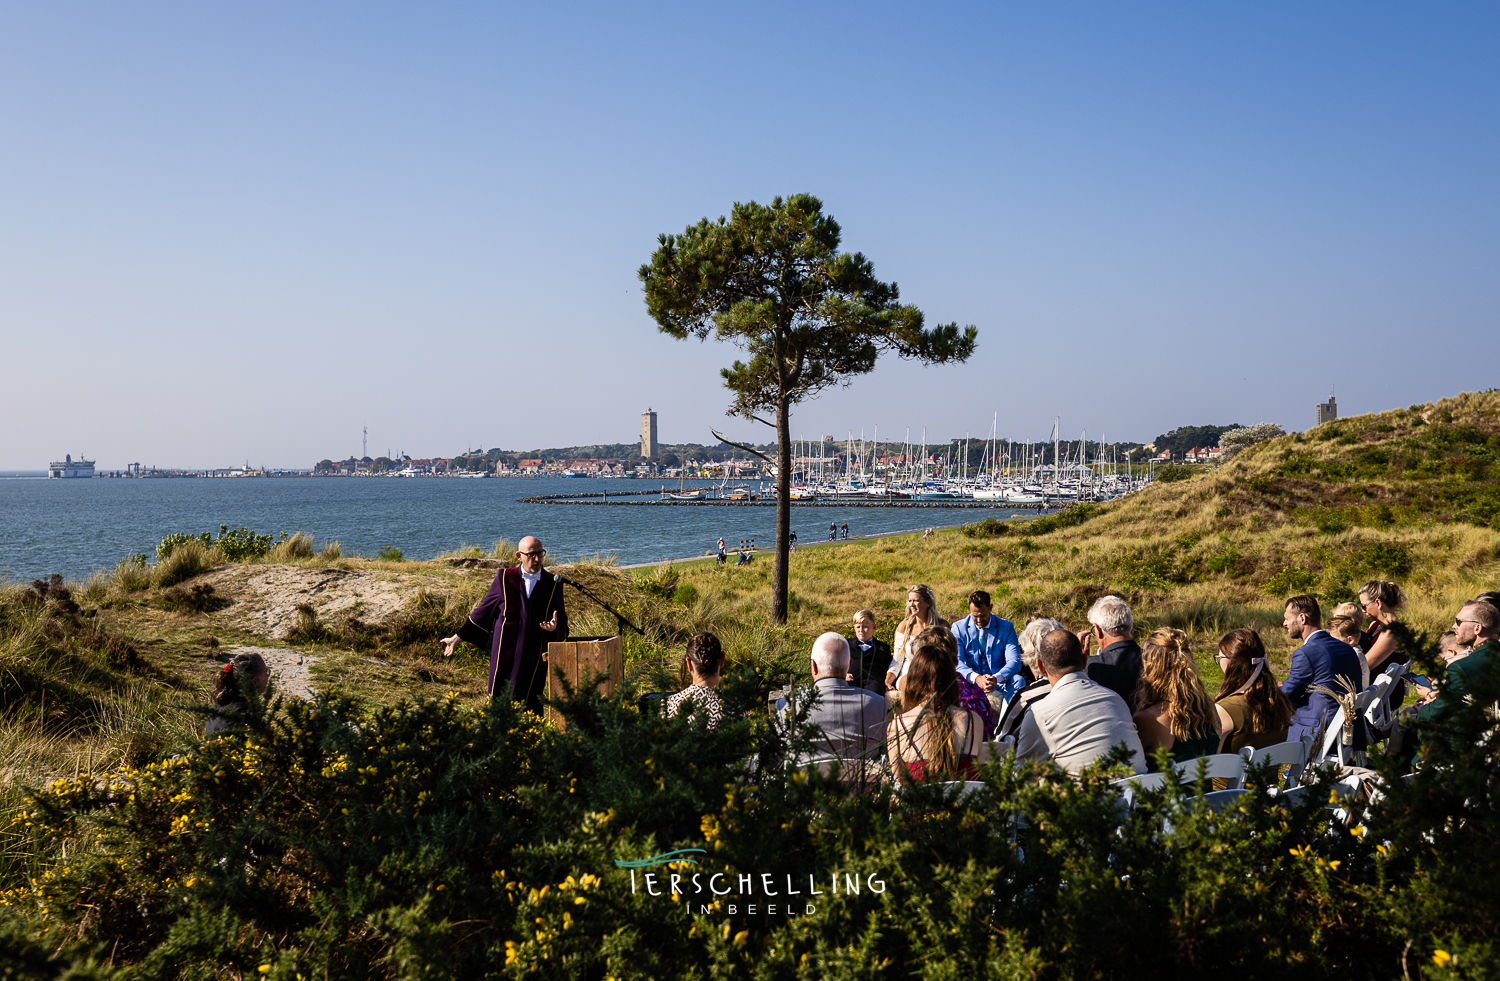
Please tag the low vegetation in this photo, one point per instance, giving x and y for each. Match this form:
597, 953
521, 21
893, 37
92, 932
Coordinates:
404, 826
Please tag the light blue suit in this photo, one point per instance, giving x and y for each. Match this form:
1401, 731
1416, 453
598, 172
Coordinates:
992, 649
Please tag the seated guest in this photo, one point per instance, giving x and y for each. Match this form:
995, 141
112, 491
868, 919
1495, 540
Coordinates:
1016, 709
970, 695
1079, 721
1249, 699
704, 663
850, 720
1321, 660
1347, 623
1176, 714
869, 657
1117, 666
228, 690
934, 738
1449, 649
921, 613
1382, 600
989, 655
1476, 626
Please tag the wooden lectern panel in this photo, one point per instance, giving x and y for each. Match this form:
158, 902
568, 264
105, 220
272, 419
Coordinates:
580, 659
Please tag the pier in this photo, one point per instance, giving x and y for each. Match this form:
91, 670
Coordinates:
613, 500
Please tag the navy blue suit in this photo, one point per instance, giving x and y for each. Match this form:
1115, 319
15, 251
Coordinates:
1321, 660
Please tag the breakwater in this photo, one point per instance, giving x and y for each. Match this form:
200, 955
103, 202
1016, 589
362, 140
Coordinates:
946, 505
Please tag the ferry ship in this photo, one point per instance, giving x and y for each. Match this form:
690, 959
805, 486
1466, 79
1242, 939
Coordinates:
70, 467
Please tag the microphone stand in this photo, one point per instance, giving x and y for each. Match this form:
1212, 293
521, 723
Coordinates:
621, 622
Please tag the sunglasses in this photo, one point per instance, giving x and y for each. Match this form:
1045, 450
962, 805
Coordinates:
1459, 620
534, 552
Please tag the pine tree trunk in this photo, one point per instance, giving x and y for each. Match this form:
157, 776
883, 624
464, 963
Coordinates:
783, 509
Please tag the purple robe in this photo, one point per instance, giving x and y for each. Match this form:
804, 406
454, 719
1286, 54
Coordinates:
518, 648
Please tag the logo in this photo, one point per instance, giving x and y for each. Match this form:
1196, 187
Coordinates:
663, 859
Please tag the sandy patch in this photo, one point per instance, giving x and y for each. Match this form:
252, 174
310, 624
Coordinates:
265, 597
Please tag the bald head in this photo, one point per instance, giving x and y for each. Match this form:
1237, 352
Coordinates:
830, 656
529, 551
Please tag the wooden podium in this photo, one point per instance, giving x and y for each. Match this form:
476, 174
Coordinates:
581, 658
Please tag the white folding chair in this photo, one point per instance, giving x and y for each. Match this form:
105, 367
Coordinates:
1130, 786
1291, 754
1221, 766
965, 788
1218, 800
1377, 713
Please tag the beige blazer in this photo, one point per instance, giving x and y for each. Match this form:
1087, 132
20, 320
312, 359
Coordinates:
1078, 722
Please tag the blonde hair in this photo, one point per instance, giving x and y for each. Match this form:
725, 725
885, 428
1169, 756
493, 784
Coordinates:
863, 616
1343, 626
1168, 674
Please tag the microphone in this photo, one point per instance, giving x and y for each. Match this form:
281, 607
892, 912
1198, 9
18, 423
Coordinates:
566, 580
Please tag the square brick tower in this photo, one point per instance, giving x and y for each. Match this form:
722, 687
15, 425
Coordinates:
649, 448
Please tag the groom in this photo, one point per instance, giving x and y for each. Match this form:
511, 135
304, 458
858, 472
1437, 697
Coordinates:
527, 604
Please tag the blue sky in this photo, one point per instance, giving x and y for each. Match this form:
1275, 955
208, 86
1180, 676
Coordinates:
233, 232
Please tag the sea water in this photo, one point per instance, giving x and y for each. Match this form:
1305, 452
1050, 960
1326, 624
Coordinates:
75, 526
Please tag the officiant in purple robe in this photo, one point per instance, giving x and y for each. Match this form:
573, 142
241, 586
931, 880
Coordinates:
520, 615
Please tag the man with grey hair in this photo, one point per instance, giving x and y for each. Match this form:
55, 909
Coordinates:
851, 720
1018, 706
1117, 666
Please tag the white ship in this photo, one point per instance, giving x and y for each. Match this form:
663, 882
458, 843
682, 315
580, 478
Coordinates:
70, 467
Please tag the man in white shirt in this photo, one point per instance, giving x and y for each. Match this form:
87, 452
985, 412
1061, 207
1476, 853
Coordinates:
1080, 720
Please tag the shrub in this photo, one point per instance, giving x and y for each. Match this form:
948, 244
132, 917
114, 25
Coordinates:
661, 582
184, 561
1170, 473
170, 542
1225, 560
242, 544
1289, 582
199, 598
132, 574
988, 528
685, 594
1068, 517
335, 841
299, 546
1236, 440
391, 554
331, 552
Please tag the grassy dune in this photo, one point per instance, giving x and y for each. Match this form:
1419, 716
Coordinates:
111, 676
1407, 495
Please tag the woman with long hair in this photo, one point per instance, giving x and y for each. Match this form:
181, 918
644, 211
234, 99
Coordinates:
1249, 696
1177, 714
921, 613
934, 737
228, 689
704, 665
1382, 600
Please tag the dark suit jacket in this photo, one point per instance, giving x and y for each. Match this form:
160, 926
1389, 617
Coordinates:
1118, 668
869, 667
1321, 660
1458, 681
